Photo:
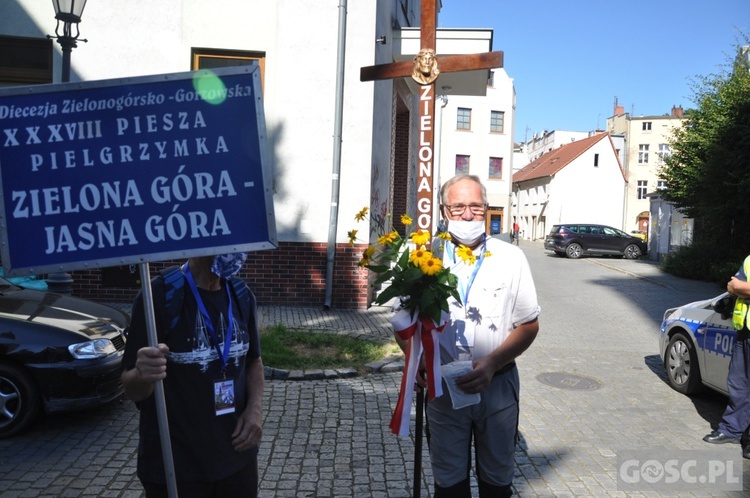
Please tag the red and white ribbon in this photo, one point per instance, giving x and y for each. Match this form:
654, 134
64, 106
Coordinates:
421, 334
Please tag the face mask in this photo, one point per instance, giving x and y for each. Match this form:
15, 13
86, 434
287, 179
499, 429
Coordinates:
227, 265
466, 232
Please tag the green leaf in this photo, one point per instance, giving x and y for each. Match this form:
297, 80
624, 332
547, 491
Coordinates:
384, 277
404, 260
388, 293
379, 268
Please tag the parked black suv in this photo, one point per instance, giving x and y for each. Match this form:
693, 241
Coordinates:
576, 240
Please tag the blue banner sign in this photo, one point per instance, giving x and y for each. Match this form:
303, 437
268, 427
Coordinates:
115, 172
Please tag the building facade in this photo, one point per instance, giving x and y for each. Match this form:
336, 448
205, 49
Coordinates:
646, 144
580, 182
296, 45
476, 137
547, 141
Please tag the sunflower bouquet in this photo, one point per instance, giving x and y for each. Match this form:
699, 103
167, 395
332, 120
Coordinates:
415, 274
417, 278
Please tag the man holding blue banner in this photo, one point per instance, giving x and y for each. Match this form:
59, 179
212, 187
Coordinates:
208, 358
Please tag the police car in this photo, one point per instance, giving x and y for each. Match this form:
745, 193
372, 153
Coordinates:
696, 344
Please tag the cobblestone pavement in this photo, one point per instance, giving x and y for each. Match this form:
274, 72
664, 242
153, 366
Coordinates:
593, 388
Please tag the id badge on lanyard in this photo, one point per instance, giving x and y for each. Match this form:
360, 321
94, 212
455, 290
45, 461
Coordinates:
465, 333
223, 394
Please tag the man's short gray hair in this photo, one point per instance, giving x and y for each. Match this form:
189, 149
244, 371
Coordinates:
458, 178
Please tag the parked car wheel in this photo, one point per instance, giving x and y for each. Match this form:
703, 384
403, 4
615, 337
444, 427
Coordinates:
632, 252
681, 363
574, 251
19, 400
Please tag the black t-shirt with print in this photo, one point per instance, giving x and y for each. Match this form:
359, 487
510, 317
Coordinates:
201, 439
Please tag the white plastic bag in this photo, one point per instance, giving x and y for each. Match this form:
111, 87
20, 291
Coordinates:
450, 373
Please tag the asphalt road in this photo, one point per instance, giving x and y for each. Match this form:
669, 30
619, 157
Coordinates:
594, 399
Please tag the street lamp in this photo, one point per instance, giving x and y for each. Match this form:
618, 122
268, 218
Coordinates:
67, 12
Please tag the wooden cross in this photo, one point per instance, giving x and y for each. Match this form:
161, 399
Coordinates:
422, 70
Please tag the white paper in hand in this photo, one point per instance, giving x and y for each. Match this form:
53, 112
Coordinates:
450, 373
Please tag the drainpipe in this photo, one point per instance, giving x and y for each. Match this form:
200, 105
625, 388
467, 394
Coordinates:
335, 184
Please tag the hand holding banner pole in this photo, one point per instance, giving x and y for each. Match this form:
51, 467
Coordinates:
161, 407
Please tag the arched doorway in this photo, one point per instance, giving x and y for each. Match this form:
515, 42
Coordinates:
643, 221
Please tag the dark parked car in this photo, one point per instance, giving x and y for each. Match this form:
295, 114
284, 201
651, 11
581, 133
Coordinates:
57, 353
575, 240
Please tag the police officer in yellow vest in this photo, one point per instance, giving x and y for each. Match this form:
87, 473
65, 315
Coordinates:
736, 418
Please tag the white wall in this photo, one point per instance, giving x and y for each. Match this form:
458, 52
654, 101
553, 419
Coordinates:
582, 193
299, 37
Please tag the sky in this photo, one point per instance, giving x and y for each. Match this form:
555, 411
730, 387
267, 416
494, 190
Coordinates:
571, 60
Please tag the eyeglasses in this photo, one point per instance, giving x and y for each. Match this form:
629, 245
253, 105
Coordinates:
458, 209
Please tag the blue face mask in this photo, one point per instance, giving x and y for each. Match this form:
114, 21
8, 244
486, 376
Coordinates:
227, 265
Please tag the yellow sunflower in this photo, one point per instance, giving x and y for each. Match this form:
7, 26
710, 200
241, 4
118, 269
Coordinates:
361, 215
417, 256
466, 255
406, 220
352, 237
387, 238
420, 238
431, 266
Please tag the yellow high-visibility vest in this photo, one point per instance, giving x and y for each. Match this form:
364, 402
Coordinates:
739, 316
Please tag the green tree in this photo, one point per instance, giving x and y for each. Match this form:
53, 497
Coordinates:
707, 173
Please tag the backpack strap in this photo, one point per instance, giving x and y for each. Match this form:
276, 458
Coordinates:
244, 297
174, 290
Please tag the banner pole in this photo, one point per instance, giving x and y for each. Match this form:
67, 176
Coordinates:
418, 427
161, 406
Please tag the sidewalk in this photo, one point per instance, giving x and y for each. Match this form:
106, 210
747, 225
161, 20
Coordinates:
329, 437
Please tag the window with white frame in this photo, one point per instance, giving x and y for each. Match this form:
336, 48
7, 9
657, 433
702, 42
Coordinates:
642, 188
663, 152
661, 185
646, 126
643, 154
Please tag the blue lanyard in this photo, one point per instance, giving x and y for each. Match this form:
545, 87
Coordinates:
464, 292
223, 356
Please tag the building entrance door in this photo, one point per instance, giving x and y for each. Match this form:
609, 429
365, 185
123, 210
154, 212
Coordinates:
494, 223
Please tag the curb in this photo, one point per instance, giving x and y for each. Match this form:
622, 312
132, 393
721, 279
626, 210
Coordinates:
386, 365
647, 278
